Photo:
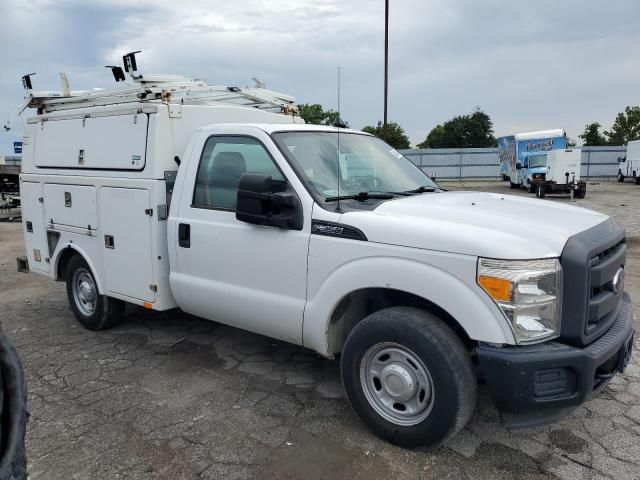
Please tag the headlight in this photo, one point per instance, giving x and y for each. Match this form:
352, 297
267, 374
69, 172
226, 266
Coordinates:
529, 294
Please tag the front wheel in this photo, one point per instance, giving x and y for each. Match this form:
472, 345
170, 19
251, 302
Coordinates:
540, 191
409, 377
92, 310
620, 177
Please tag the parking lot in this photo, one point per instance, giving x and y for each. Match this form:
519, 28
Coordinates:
167, 395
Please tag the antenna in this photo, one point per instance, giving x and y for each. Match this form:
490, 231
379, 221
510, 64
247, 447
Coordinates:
337, 125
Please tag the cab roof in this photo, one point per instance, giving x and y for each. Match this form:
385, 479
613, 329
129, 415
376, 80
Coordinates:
290, 127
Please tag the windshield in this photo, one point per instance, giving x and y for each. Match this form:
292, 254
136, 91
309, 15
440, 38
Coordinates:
366, 163
537, 161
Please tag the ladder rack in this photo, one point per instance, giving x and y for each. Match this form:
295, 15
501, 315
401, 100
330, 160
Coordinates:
166, 89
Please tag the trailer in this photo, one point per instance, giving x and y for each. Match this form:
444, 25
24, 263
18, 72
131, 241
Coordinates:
556, 171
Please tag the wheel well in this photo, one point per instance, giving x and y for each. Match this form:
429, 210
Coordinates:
65, 257
359, 304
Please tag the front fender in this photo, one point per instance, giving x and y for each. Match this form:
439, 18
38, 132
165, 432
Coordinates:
473, 310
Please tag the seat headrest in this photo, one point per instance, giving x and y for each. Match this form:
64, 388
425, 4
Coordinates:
229, 163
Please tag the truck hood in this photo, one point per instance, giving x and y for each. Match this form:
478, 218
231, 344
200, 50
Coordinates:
475, 223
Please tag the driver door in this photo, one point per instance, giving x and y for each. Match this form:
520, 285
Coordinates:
249, 276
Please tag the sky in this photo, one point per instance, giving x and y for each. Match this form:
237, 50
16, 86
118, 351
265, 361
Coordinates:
529, 65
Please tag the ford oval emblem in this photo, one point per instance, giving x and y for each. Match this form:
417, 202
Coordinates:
618, 281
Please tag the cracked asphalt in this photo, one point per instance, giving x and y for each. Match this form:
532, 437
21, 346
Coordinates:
167, 395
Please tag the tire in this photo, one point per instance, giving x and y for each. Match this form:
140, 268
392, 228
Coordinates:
540, 191
637, 180
531, 187
13, 416
580, 193
620, 177
409, 333
92, 310
513, 186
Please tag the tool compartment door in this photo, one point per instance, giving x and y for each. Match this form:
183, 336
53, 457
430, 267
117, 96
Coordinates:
70, 205
116, 142
126, 239
35, 235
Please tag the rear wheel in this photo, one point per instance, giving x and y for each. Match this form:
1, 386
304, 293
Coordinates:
513, 186
409, 377
92, 310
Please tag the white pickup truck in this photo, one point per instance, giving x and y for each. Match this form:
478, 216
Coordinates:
173, 193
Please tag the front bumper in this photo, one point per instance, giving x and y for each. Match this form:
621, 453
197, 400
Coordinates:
538, 384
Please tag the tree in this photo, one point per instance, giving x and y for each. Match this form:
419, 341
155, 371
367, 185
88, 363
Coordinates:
626, 127
315, 114
462, 131
592, 136
393, 134
435, 137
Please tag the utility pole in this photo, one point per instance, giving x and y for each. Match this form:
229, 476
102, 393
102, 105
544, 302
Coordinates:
386, 59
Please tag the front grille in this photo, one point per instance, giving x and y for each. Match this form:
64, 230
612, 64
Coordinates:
603, 301
589, 262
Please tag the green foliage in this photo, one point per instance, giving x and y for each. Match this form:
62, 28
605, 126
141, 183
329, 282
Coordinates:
626, 127
592, 136
463, 131
315, 114
435, 137
393, 134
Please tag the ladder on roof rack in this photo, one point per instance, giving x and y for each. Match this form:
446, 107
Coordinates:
159, 89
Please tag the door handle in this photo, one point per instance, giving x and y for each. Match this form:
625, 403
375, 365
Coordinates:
184, 235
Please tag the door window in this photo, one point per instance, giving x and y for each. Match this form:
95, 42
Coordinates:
223, 161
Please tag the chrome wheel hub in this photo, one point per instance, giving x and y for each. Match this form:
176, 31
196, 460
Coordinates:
397, 384
84, 292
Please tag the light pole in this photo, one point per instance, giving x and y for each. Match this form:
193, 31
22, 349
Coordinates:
386, 59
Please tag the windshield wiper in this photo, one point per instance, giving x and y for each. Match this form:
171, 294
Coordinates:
361, 197
422, 189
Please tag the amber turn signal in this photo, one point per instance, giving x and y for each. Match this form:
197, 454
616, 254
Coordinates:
498, 288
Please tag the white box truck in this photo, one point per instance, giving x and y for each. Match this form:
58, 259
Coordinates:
326, 237
630, 163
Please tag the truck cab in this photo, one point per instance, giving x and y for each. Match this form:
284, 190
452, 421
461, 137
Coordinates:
533, 168
329, 238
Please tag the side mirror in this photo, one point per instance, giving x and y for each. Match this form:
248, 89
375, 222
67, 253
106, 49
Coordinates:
622, 159
518, 166
259, 205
